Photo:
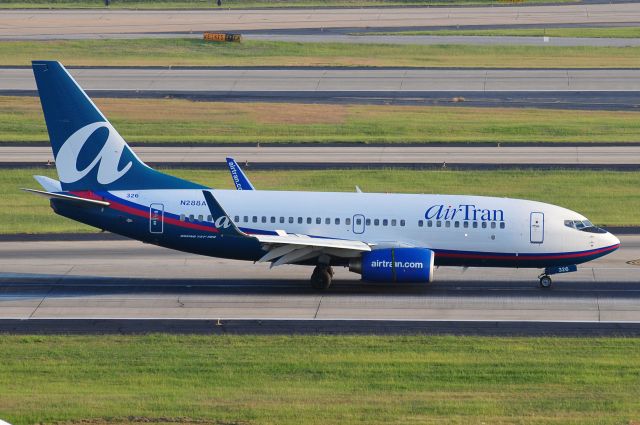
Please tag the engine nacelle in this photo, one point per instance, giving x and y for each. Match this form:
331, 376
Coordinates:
395, 265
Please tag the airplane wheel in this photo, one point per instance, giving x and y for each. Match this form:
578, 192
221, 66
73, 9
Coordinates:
321, 277
545, 282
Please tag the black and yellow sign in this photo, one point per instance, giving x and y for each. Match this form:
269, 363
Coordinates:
221, 36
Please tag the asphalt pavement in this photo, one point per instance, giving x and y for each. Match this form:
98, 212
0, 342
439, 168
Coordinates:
120, 280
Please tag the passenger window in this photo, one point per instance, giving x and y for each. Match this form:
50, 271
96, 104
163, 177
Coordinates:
402, 223
318, 220
273, 219
466, 224
420, 223
254, 219
246, 219
438, 223
385, 222
475, 224
264, 219
299, 220
493, 224
347, 221
358, 221
337, 221
393, 222
376, 222
456, 224
429, 223
502, 225
191, 218
291, 220
368, 222
200, 217
281, 219
182, 217
308, 220
327, 220
447, 223
484, 224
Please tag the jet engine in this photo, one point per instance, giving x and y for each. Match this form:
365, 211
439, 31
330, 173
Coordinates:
395, 265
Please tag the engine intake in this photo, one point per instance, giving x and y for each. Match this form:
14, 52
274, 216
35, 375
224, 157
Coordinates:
395, 265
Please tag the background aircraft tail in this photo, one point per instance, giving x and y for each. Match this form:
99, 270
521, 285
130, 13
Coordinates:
89, 152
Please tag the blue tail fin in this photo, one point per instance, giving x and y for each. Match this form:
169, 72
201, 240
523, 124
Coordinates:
89, 152
239, 178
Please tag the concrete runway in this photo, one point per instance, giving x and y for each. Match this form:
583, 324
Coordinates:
51, 24
232, 81
307, 156
130, 280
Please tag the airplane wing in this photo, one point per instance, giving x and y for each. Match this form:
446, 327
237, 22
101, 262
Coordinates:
240, 180
286, 248
70, 198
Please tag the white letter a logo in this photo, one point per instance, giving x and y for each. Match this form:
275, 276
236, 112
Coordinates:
107, 159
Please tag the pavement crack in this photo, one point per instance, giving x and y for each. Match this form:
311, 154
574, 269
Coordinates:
598, 305
315, 316
41, 301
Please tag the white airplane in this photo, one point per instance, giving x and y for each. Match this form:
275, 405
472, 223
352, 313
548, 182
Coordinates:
383, 237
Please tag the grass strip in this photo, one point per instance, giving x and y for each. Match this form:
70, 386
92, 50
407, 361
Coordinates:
606, 197
164, 52
580, 32
185, 121
297, 380
248, 4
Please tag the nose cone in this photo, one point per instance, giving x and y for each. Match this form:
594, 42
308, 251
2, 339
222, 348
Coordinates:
612, 240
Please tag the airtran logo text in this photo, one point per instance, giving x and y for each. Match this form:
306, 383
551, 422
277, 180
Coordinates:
234, 174
463, 212
383, 264
106, 160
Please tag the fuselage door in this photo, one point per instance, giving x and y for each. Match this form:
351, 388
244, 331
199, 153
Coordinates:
156, 218
358, 224
536, 227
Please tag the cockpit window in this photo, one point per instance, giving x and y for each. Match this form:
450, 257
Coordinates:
583, 225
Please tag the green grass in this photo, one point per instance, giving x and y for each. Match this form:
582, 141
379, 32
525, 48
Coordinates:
175, 52
592, 193
247, 4
603, 32
319, 380
184, 121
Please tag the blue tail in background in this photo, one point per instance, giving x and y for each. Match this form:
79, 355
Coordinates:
89, 152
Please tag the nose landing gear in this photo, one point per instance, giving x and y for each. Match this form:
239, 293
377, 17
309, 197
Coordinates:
545, 281
545, 278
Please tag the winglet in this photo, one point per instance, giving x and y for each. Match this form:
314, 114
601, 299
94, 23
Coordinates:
239, 178
221, 219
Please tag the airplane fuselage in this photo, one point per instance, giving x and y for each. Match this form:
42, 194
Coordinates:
461, 230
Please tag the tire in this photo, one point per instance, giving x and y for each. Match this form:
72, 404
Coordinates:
545, 282
321, 278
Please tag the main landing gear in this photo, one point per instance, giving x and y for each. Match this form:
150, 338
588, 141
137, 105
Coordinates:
321, 276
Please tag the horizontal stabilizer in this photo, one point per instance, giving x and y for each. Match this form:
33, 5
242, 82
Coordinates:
49, 184
69, 198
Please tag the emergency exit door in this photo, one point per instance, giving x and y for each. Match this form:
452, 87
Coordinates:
156, 218
536, 227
